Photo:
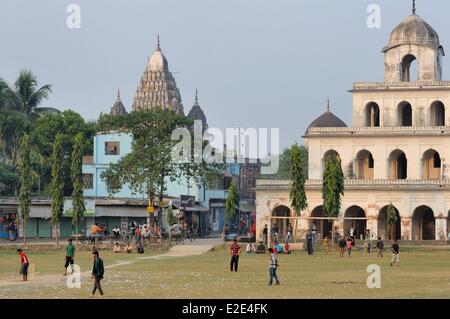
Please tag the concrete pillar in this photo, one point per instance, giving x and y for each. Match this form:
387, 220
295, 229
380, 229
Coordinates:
406, 228
441, 228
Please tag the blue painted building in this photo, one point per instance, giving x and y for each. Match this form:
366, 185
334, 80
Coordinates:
109, 148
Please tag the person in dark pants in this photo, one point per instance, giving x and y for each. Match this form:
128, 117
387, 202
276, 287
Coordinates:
265, 233
97, 273
235, 250
309, 242
70, 255
273, 265
24, 263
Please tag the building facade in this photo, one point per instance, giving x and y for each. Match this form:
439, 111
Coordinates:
396, 151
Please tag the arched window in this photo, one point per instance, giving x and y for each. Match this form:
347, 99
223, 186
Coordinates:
423, 224
398, 165
404, 114
319, 223
364, 165
355, 218
372, 115
437, 114
282, 223
431, 165
409, 67
386, 231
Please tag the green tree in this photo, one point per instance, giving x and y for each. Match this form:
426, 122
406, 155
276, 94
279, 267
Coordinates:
297, 193
57, 186
78, 207
9, 180
149, 165
25, 183
333, 187
25, 96
45, 129
391, 219
231, 203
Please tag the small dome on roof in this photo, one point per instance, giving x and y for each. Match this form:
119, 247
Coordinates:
327, 119
158, 61
413, 30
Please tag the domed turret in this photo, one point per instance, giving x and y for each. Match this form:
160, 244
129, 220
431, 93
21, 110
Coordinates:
327, 119
413, 40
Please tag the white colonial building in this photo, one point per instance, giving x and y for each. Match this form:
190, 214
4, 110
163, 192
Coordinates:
397, 150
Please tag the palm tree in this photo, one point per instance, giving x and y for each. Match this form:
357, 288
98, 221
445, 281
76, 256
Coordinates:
25, 96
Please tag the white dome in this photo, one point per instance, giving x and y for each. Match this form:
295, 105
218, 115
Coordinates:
157, 61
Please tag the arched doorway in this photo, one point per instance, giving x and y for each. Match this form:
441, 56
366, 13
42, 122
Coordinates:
318, 221
409, 67
372, 115
282, 223
431, 165
404, 114
395, 232
364, 165
398, 165
355, 218
437, 114
423, 224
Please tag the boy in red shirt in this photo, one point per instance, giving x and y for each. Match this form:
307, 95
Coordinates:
24, 263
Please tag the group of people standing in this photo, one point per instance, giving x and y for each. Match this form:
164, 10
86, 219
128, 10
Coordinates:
235, 251
98, 269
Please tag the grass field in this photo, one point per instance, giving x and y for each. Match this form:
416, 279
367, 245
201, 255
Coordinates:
423, 273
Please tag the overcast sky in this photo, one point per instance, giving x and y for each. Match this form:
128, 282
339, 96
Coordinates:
256, 63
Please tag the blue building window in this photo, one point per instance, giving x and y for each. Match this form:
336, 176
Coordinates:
112, 148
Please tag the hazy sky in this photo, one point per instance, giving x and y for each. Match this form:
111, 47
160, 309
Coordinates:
256, 63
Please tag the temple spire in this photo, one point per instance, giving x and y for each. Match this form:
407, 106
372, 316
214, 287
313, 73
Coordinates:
414, 7
118, 94
158, 48
196, 95
328, 105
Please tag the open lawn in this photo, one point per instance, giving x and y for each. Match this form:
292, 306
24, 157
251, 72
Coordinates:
423, 273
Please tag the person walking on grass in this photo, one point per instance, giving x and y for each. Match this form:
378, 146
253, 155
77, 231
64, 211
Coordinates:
70, 256
341, 245
24, 263
369, 241
235, 250
273, 265
97, 273
349, 246
309, 242
265, 233
380, 248
395, 254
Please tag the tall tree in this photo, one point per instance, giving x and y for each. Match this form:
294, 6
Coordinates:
149, 165
391, 219
333, 187
231, 203
25, 183
57, 185
297, 193
25, 96
78, 207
